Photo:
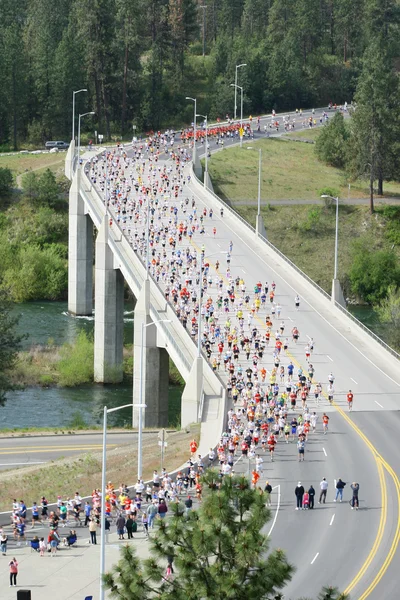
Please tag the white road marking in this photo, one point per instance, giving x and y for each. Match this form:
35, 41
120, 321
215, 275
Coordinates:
305, 300
324, 451
309, 337
333, 518
378, 404
219, 245
354, 380
277, 508
315, 558
290, 319
331, 359
42, 462
244, 271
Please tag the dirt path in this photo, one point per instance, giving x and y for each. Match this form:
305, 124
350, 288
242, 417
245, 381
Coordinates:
18, 179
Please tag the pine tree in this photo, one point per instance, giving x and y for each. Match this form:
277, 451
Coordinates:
219, 550
10, 343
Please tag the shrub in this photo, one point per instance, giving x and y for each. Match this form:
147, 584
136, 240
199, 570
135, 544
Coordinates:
372, 273
6, 182
76, 364
331, 144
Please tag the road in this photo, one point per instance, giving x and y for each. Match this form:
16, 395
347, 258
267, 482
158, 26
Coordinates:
327, 552
332, 545
24, 451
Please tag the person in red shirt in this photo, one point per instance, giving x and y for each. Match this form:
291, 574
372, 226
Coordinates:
193, 446
245, 449
350, 400
271, 446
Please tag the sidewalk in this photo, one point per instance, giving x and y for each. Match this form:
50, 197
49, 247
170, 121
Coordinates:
72, 574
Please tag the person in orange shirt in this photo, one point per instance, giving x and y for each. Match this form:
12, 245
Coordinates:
263, 374
193, 446
254, 478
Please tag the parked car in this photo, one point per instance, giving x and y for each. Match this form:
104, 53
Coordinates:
58, 144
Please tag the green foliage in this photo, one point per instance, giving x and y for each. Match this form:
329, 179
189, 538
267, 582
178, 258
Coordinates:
219, 550
331, 144
6, 183
41, 189
36, 273
391, 215
76, 364
311, 224
10, 343
389, 313
77, 421
372, 272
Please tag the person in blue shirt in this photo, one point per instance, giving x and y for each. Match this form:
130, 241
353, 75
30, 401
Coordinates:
35, 514
22, 510
88, 510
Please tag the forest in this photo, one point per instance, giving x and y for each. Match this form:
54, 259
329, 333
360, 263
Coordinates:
139, 59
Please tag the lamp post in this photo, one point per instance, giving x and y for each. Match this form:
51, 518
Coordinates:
141, 404
259, 184
206, 171
194, 126
241, 108
336, 232
103, 497
236, 82
79, 131
73, 110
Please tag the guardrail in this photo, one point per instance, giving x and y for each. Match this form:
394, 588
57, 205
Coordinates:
296, 268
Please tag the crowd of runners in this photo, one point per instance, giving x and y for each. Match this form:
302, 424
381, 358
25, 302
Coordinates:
276, 399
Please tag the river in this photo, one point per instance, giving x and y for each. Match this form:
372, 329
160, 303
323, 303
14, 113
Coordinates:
59, 407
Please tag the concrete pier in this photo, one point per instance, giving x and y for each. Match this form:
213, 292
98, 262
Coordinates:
109, 313
155, 366
80, 254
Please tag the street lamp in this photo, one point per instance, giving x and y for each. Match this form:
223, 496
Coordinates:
73, 110
236, 82
206, 172
141, 404
79, 132
194, 126
103, 497
336, 231
241, 108
259, 184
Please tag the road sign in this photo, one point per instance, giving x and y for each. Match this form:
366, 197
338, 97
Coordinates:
133, 127
100, 136
160, 443
162, 434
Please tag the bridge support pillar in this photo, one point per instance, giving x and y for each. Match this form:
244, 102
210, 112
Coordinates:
260, 227
80, 254
191, 396
337, 293
155, 366
109, 313
198, 169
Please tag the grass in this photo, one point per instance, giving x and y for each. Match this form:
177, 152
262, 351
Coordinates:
65, 476
306, 235
304, 134
289, 172
21, 163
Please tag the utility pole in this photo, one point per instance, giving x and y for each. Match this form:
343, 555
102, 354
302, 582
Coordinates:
204, 7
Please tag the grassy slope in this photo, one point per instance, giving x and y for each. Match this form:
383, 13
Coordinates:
289, 171
63, 477
20, 163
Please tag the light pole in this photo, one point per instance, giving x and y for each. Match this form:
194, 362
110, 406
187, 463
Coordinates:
241, 109
103, 497
206, 171
73, 110
336, 231
141, 404
194, 126
236, 82
79, 132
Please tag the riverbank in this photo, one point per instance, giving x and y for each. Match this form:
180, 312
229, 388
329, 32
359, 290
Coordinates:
84, 473
69, 365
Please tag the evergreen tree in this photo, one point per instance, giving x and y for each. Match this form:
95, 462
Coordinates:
374, 148
219, 550
331, 144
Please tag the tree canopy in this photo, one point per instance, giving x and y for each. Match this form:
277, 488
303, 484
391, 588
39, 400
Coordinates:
10, 342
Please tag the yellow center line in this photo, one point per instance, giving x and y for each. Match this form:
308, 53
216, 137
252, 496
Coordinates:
55, 449
380, 463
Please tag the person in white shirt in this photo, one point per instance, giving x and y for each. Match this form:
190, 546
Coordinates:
324, 488
259, 464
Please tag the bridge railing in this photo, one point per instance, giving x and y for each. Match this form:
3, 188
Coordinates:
296, 268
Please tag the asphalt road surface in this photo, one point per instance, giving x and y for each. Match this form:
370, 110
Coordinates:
16, 452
